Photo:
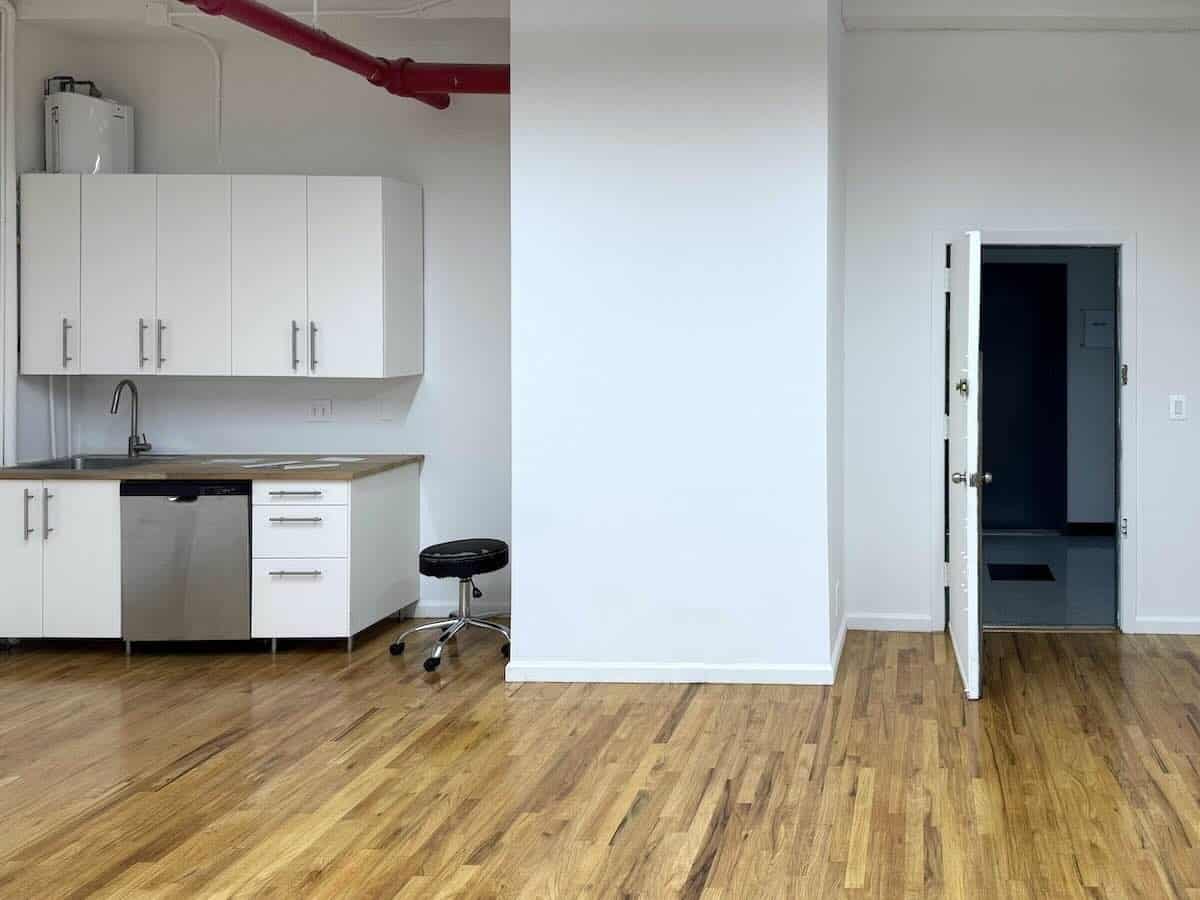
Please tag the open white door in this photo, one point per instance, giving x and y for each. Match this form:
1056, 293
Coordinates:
966, 263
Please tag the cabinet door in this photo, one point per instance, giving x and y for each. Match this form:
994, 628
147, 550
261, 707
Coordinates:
21, 559
345, 277
192, 336
81, 567
49, 274
118, 250
270, 279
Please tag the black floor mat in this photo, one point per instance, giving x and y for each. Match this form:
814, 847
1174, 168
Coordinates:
1019, 572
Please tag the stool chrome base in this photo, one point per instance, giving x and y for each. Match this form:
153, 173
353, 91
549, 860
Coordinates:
454, 625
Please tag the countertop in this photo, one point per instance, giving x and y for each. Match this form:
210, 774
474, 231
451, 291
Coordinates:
226, 467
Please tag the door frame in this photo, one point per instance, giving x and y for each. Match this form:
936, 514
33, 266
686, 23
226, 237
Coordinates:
1129, 432
8, 238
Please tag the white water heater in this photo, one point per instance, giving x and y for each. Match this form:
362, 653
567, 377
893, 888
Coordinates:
88, 135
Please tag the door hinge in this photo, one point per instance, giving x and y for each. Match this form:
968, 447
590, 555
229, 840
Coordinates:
949, 280
1124, 375
946, 574
1124, 527
946, 428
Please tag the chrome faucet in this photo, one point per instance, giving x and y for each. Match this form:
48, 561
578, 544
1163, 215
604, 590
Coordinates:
137, 443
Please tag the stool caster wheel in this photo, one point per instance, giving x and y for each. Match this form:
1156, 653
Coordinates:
432, 663
506, 651
396, 649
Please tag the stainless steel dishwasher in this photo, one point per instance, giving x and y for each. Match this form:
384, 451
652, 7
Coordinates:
185, 560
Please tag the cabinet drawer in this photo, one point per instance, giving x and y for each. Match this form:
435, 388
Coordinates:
302, 493
300, 531
301, 598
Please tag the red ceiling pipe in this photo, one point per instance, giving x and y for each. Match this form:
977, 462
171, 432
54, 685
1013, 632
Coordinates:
431, 83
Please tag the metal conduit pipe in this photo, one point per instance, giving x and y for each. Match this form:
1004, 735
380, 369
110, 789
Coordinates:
431, 83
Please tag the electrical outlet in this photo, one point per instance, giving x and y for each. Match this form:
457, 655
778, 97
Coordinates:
319, 411
157, 14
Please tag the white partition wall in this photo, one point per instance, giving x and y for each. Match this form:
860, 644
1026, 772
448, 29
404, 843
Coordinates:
670, 218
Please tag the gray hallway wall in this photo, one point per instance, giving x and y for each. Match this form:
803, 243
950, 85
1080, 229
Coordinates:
1091, 377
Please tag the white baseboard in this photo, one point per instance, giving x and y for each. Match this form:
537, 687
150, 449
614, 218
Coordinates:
434, 610
668, 673
890, 622
1166, 625
838, 646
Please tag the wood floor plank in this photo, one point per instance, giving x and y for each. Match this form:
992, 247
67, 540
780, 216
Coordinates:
316, 773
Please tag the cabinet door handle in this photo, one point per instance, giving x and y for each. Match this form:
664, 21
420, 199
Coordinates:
46, 498
312, 346
162, 326
295, 493
142, 357
284, 572
28, 498
66, 327
311, 520
295, 346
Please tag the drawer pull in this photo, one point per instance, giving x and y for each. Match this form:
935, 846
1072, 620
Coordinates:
311, 520
296, 493
312, 574
28, 498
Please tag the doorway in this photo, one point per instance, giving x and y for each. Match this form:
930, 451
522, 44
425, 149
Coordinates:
1049, 414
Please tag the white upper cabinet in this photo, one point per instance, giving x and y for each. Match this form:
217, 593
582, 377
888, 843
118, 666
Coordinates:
49, 223
256, 275
193, 331
365, 278
270, 280
118, 248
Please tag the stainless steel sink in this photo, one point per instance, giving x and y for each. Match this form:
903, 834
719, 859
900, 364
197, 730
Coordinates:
86, 463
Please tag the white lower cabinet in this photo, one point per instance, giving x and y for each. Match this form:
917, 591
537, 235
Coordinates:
296, 598
21, 559
61, 555
333, 558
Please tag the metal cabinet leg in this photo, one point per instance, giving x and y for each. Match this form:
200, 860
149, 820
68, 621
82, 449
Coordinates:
129, 648
274, 645
350, 644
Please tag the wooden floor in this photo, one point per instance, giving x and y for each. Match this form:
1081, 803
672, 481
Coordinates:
326, 775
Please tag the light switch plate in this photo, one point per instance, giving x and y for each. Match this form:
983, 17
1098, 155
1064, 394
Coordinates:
1178, 408
319, 411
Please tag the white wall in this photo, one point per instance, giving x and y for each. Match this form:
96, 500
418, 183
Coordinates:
40, 53
288, 112
1011, 131
670, 212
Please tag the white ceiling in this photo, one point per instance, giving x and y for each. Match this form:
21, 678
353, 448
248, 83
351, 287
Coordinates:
135, 10
1133, 15
1110, 15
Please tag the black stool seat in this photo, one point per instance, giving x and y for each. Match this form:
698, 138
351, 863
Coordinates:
464, 559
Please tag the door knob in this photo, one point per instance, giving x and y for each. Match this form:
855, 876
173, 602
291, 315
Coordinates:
959, 477
980, 479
